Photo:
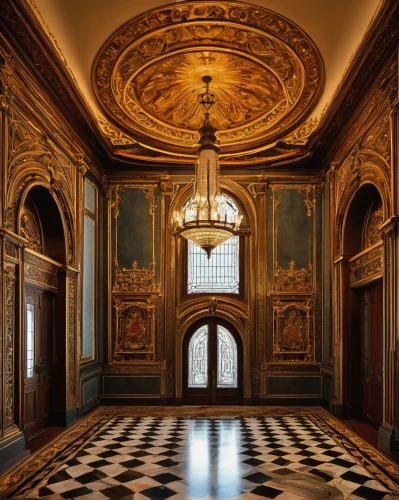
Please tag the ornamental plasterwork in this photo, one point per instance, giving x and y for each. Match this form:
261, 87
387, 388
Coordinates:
293, 335
135, 323
380, 139
135, 280
30, 227
27, 144
266, 75
368, 266
116, 136
375, 218
293, 280
301, 135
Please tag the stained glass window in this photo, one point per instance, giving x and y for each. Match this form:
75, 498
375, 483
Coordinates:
227, 358
30, 339
220, 273
198, 358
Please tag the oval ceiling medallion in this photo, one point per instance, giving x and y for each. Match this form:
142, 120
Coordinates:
266, 76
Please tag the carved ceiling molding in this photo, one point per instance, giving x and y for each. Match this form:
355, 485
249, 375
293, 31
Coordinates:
37, 44
267, 76
339, 127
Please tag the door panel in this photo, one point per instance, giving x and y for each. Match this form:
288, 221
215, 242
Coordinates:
212, 364
372, 353
39, 327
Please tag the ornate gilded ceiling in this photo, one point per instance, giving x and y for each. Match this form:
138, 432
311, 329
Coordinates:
266, 74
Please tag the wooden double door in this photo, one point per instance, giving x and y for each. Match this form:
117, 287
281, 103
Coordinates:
372, 353
212, 364
38, 359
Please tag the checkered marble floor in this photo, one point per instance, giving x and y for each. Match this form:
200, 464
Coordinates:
285, 458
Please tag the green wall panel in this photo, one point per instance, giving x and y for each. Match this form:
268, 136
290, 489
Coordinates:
294, 230
134, 225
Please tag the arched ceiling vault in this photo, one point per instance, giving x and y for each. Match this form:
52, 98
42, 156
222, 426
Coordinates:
274, 66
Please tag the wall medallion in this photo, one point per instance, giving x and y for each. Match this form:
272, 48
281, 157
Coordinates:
266, 74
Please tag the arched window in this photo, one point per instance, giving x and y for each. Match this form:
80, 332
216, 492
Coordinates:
219, 273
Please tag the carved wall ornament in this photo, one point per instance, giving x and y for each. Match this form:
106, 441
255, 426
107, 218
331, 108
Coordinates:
293, 280
258, 189
266, 71
301, 134
149, 195
134, 331
116, 198
310, 193
6, 77
117, 137
71, 352
212, 305
135, 280
293, 336
379, 139
374, 219
168, 188
135, 320
82, 164
9, 276
369, 265
40, 271
31, 227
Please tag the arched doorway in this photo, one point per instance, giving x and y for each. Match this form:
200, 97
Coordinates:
43, 341
363, 337
212, 364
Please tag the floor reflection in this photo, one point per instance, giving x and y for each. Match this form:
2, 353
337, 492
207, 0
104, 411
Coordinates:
212, 461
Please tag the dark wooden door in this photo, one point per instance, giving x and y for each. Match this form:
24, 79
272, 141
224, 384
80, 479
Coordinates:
372, 353
212, 364
38, 362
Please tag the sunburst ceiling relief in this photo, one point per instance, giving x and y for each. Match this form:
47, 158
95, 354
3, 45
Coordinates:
266, 75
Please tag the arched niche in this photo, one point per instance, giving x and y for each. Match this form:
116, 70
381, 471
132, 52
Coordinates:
40, 203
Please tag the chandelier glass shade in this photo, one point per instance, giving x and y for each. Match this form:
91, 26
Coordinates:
204, 218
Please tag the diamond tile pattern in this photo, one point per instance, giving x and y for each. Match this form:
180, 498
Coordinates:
286, 458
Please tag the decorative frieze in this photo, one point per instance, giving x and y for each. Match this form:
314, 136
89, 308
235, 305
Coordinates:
368, 266
39, 271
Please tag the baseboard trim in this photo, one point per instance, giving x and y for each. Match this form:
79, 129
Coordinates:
12, 451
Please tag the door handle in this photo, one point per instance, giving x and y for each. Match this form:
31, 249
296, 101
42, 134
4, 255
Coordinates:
40, 369
368, 373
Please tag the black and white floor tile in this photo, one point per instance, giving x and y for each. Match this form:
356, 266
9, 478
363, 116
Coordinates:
284, 458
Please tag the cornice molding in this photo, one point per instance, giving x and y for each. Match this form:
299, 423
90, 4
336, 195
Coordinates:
31, 44
373, 53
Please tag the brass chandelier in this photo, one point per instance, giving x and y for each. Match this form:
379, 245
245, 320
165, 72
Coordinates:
205, 220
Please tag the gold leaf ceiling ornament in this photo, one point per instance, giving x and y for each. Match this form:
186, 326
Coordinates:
266, 76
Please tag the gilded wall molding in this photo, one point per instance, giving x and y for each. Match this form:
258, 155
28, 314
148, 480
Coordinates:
31, 227
71, 336
293, 280
8, 387
115, 135
135, 280
40, 271
301, 135
28, 144
367, 266
134, 335
293, 332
